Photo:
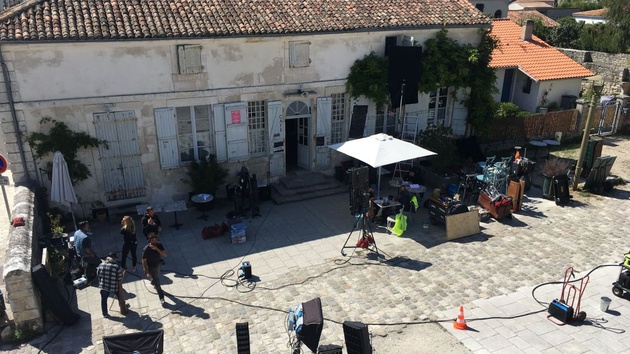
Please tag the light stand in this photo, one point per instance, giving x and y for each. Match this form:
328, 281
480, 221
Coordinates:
597, 87
366, 238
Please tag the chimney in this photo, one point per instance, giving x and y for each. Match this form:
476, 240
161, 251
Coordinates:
528, 29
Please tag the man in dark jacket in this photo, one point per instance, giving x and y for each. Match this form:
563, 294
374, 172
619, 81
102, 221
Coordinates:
151, 256
151, 223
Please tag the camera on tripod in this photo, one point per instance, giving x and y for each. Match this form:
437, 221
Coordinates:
358, 190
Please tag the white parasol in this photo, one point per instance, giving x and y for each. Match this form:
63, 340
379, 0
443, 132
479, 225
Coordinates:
61, 190
380, 150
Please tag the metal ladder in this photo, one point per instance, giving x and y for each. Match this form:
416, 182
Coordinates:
409, 133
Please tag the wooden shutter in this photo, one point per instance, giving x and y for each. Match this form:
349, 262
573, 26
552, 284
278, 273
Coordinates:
236, 131
276, 138
189, 59
220, 138
166, 129
299, 55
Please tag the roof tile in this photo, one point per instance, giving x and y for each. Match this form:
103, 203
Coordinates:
537, 59
37, 20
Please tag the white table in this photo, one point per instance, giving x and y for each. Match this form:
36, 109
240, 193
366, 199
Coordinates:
202, 199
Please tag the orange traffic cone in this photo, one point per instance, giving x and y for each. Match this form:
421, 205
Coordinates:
460, 323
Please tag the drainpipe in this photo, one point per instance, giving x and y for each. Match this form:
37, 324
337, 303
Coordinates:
16, 127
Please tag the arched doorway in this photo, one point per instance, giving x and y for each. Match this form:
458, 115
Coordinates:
296, 119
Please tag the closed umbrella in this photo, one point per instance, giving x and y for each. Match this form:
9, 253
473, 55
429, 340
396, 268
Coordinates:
61, 190
380, 150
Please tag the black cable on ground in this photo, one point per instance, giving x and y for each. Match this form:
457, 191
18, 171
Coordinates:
222, 276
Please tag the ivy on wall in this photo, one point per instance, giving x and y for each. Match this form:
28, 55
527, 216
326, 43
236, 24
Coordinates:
445, 63
368, 77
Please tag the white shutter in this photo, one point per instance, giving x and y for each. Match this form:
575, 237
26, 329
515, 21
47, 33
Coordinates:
299, 55
167, 137
276, 138
324, 118
324, 121
219, 132
236, 131
459, 113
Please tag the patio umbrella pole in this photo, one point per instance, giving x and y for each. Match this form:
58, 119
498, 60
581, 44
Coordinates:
378, 187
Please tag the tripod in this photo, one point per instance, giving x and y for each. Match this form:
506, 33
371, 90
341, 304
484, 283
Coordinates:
366, 238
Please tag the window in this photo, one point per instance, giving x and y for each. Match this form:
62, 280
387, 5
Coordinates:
257, 128
480, 7
193, 133
337, 117
299, 55
189, 59
498, 14
527, 88
437, 106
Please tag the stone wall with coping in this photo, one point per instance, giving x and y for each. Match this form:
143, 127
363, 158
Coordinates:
609, 66
22, 254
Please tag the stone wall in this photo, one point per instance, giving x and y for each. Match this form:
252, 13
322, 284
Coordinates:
22, 255
609, 66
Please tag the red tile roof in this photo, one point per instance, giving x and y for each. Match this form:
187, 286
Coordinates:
592, 13
149, 19
535, 58
519, 16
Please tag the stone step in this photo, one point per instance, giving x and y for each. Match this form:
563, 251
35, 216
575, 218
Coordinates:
307, 186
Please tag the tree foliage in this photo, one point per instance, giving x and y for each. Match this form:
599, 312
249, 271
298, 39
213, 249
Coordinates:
567, 34
601, 37
61, 138
368, 77
436, 139
618, 14
583, 5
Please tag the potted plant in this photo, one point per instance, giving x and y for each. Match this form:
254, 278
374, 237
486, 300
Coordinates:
205, 176
56, 258
99, 211
551, 168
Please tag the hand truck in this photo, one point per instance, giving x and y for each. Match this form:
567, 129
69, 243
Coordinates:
563, 309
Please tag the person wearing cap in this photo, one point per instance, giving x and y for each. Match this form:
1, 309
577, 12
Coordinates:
110, 276
151, 255
151, 222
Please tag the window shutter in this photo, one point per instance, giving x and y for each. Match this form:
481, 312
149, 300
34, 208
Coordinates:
236, 131
324, 118
189, 59
167, 137
299, 55
219, 132
276, 138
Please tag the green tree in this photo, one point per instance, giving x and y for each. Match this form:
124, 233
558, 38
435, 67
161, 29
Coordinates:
61, 138
601, 37
618, 14
583, 5
540, 30
567, 34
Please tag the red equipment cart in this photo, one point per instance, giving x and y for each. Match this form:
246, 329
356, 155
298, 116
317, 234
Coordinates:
563, 309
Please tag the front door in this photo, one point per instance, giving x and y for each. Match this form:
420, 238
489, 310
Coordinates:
296, 135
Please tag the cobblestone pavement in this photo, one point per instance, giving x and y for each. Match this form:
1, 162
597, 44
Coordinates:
294, 252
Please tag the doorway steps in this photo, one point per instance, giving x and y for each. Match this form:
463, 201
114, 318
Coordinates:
305, 185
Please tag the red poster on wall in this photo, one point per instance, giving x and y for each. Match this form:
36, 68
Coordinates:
236, 116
